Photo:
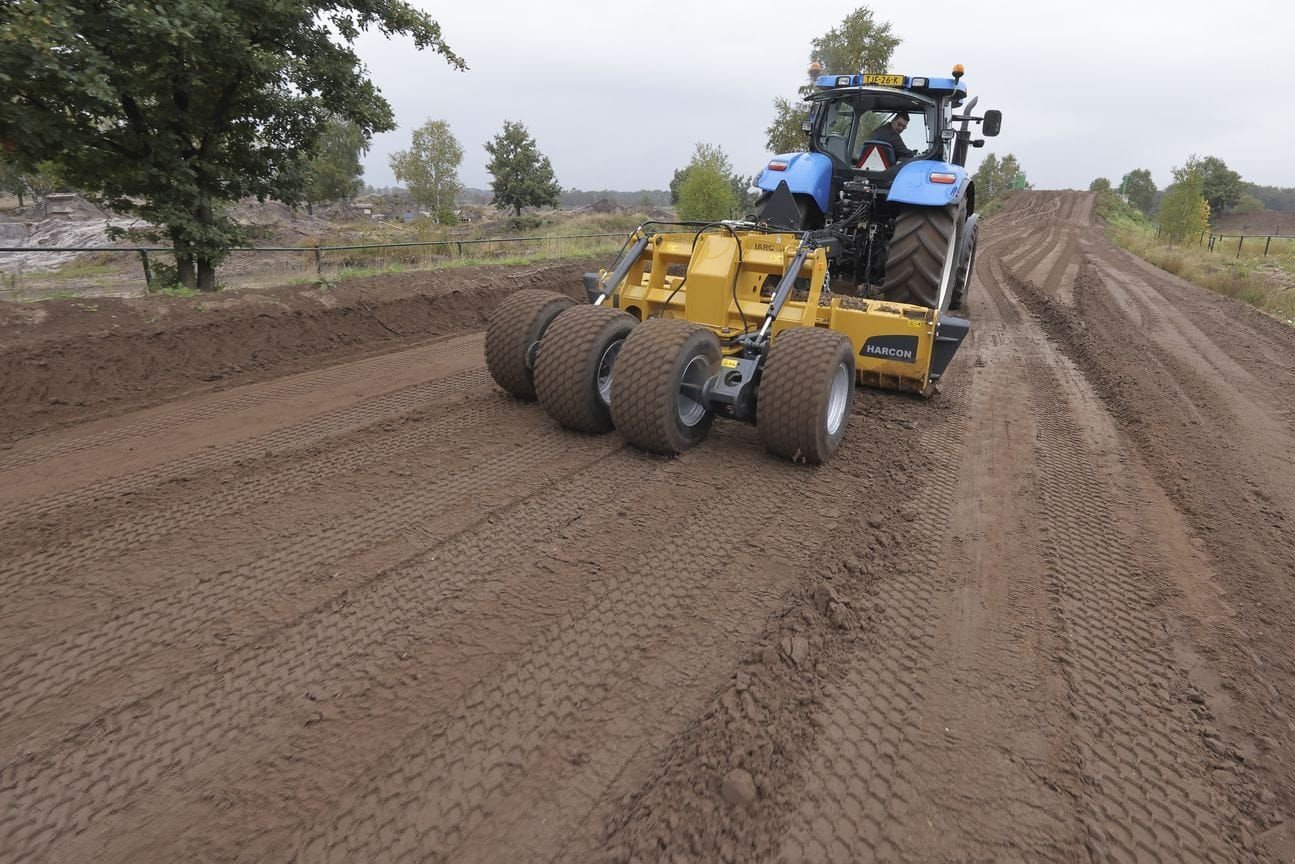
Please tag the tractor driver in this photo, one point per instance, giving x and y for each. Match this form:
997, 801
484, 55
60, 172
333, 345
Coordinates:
890, 132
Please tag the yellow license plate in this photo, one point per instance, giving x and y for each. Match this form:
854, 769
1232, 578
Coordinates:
884, 80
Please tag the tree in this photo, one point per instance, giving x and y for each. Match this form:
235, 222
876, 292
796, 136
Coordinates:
11, 180
430, 168
42, 179
335, 171
1184, 212
995, 178
523, 177
857, 44
715, 157
1139, 188
706, 189
1101, 184
171, 112
1222, 185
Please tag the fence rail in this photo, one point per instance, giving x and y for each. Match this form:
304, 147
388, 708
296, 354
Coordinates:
1268, 239
1210, 240
318, 251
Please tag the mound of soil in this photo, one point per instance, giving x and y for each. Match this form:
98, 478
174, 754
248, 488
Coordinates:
65, 361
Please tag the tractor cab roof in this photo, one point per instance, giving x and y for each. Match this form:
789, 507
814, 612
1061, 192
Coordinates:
829, 85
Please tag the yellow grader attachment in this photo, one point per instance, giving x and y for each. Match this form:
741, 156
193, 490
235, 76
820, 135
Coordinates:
732, 320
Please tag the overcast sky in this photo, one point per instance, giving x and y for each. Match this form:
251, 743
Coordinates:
617, 94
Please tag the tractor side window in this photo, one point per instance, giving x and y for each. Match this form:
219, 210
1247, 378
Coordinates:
834, 133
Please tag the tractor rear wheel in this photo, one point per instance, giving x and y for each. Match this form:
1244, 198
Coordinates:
921, 262
573, 372
806, 392
659, 376
517, 324
962, 281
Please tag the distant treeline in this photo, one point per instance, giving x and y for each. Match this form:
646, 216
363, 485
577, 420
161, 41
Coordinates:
1273, 197
569, 198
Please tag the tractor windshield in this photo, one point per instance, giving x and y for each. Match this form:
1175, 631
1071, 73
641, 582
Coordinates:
907, 125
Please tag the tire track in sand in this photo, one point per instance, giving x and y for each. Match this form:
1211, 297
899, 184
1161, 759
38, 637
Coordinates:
46, 681
137, 749
316, 428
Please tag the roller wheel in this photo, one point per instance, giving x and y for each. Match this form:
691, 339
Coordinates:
806, 391
922, 252
573, 372
659, 374
518, 323
962, 282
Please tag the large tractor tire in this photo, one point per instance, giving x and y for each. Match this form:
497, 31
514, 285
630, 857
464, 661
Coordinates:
659, 375
923, 249
518, 323
573, 372
966, 266
806, 392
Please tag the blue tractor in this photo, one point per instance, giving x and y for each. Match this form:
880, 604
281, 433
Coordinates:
884, 185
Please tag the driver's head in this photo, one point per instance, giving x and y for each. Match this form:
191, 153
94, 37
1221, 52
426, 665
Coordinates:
900, 121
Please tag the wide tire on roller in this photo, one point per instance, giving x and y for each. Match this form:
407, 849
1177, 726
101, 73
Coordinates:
518, 323
573, 372
962, 280
661, 367
806, 392
922, 252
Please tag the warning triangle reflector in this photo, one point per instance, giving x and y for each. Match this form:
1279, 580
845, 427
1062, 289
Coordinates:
873, 159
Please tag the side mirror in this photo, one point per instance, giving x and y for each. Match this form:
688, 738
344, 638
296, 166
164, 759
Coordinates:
806, 126
993, 123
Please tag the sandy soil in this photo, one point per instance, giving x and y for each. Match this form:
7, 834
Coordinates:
348, 602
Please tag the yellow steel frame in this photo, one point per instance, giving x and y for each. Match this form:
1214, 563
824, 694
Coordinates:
724, 288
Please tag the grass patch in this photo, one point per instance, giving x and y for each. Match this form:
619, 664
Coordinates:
1267, 283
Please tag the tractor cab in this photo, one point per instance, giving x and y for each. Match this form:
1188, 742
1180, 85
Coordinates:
857, 130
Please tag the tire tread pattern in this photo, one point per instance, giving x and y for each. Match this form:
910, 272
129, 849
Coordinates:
643, 399
517, 322
794, 391
566, 369
917, 249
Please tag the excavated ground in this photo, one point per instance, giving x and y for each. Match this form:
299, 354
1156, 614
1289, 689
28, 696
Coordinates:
288, 578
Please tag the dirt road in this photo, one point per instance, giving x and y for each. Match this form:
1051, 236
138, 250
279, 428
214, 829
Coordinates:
374, 610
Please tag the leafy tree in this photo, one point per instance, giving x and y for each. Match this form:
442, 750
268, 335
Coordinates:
334, 171
1222, 185
172, 111
1101, 184
995, 178
1140, 189
11, 180
523, 176
712, 156
1273, 197
1184, 212
430, 168
706, 187
858, 44
1248, 204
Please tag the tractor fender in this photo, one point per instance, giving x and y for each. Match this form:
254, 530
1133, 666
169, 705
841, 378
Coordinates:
806, 174
912, 185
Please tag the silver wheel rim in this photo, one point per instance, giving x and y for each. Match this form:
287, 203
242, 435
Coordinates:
837, 396
691, 411
605, 364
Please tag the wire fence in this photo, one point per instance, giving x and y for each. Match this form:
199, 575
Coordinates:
106, 270
1251, 245
1221, 242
